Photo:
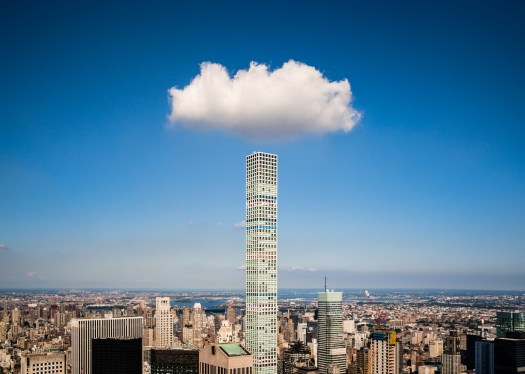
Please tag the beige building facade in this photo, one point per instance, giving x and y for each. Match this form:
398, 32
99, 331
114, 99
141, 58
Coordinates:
225, 359
43, 363
163, 323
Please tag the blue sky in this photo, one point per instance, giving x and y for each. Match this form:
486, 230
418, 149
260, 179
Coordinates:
98, 189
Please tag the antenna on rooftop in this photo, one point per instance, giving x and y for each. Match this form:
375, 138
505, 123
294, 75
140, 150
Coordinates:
325, 289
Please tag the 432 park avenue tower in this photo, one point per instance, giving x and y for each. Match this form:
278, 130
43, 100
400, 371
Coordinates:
261, 261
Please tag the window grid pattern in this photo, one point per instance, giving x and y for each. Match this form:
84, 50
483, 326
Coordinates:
56, 367
331, 347
163, 323
261, 261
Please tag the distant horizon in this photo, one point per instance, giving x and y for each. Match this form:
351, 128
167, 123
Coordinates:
3, 289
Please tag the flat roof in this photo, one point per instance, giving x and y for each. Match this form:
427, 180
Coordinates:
233, 349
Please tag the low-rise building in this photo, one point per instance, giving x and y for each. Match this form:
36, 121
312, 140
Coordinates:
43, 363
225, 359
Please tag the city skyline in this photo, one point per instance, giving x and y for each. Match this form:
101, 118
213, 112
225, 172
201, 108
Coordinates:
411, 176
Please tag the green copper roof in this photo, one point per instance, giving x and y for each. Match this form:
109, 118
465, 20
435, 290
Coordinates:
233, 349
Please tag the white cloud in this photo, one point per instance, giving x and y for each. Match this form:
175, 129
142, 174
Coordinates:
4, 247
261, 104
239, 224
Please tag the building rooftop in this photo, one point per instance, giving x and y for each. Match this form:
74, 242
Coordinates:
233, 349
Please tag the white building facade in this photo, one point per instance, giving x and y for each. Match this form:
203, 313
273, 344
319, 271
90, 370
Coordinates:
163, 323
261, 261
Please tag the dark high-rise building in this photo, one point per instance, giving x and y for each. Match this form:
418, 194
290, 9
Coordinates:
116, 356
174, 361
509, 321
470, 352
509, 354
484, 362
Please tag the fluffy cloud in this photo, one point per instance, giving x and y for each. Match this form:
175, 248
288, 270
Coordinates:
261, 104
3, 247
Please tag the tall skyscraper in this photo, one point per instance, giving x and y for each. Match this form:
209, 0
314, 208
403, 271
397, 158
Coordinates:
84, 331
331, 350
509, 353
163, 323
261, 261
469, 356
509, 321
484, 357
198, 317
